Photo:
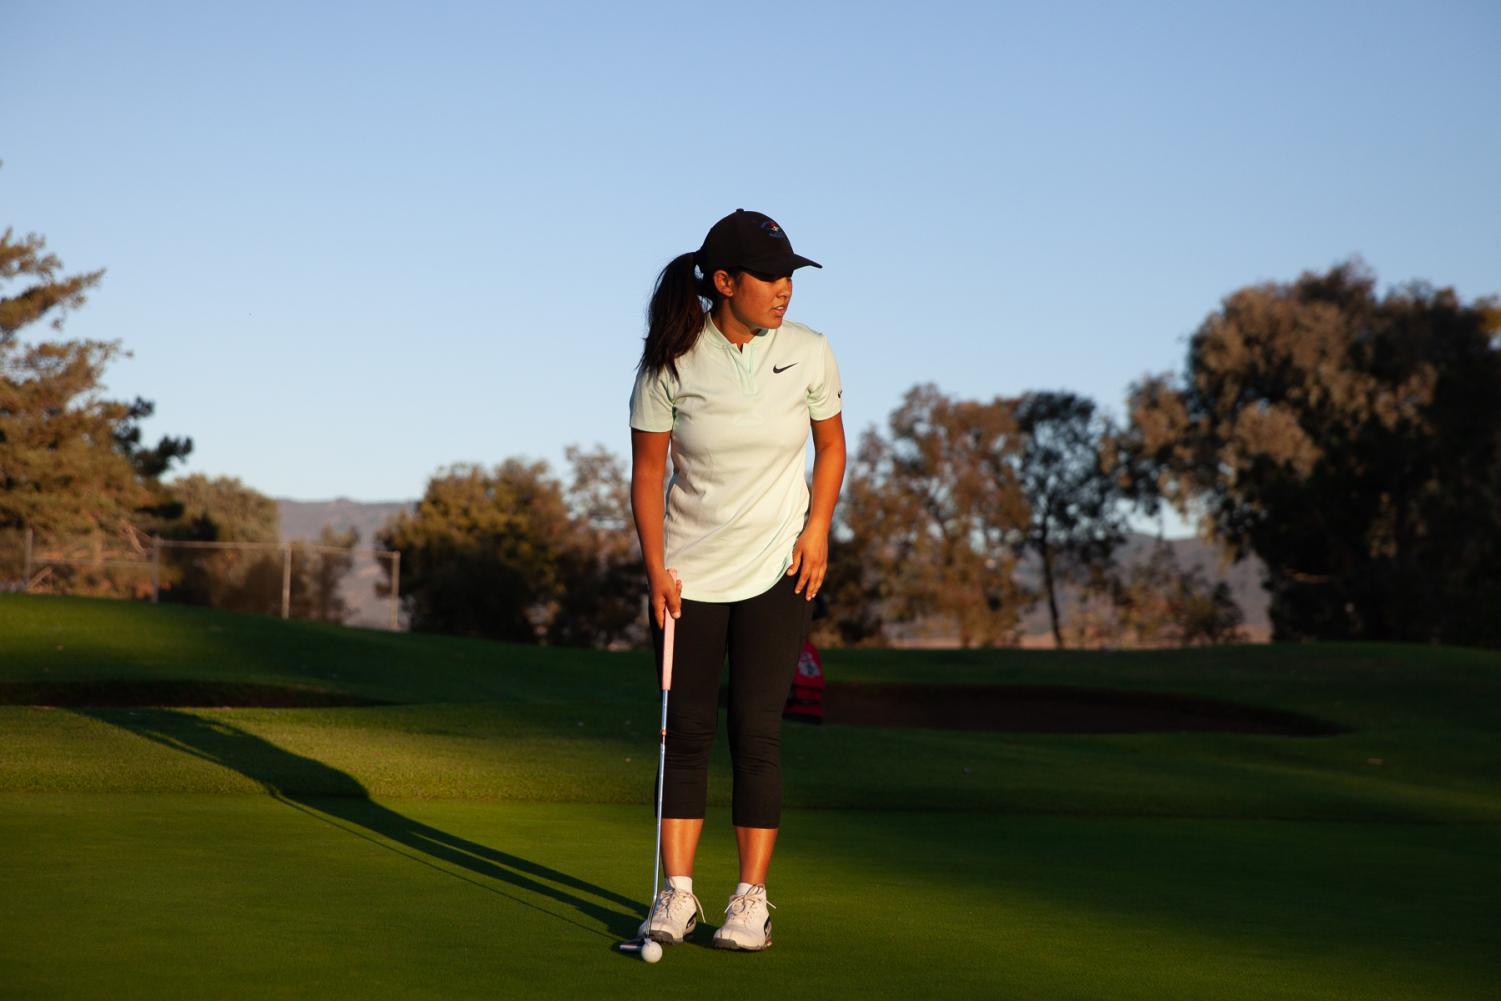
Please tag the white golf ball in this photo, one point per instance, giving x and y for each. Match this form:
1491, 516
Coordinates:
651, 951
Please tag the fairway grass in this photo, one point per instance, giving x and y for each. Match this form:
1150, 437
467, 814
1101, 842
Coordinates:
489, 833
260, 897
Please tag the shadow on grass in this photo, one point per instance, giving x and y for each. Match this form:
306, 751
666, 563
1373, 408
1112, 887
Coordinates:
337, 798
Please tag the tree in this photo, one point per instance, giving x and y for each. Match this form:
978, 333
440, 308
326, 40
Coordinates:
221, 509
71, 462
602, 598
1068, 478
47, 293
512, 554
318, 573
60, 472
1160, 603
951, 513
863, 560
1351, 441
481, 553
150, 463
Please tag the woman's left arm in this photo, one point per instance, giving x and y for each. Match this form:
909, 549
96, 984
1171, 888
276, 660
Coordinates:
810, 554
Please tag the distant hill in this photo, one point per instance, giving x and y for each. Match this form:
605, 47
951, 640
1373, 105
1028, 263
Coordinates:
305, 519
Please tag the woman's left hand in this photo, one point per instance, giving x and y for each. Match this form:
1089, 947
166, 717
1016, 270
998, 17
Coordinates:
810, 560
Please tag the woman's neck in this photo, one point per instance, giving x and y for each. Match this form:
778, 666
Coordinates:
734, 331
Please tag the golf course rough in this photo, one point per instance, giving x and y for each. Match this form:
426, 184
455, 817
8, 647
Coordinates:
478, 824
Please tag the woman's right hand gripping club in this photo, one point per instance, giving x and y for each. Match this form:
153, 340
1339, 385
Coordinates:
666, 596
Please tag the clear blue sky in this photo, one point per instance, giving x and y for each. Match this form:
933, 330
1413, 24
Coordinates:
351, 243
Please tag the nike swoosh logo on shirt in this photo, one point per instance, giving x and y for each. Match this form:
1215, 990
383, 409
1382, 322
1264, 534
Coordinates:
779, 371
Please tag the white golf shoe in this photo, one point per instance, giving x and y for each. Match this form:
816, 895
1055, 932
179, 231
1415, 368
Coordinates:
747, 923
673, 917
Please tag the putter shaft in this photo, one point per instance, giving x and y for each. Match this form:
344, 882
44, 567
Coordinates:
669, 634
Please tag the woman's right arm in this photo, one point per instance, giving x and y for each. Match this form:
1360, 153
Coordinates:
648, 471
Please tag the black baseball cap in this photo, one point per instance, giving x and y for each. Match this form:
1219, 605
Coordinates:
748, 241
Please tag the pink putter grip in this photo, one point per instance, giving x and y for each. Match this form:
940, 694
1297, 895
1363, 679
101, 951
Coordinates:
669, 631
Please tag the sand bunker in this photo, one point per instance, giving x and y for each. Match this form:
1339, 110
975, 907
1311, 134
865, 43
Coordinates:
1053, 709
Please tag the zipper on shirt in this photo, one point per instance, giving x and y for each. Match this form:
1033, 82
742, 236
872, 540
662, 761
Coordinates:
745, 366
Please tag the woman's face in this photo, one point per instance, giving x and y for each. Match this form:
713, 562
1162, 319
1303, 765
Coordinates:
756, 301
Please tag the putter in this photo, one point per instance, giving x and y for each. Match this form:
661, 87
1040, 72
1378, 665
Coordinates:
669, 632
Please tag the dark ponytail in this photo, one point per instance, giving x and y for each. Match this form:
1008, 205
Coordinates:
675, 315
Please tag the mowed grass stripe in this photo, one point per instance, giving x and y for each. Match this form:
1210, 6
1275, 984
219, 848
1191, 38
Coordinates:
231, 896
490, 753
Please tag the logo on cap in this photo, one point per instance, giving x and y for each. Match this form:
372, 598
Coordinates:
773, 230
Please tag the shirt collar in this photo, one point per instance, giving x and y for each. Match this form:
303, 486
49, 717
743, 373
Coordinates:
709, 327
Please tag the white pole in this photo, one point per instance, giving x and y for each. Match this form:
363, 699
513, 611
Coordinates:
286, 580
26, 571
395, 590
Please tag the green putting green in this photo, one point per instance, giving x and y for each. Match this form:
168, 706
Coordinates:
488, 834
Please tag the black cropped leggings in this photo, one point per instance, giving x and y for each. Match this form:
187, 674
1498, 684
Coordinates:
763, 636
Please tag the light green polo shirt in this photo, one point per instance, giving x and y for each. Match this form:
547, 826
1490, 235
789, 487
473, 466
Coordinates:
738, 496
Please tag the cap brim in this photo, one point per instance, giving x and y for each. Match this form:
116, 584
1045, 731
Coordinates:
784, 265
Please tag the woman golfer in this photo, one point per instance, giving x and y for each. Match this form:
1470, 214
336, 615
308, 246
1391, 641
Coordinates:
730, 391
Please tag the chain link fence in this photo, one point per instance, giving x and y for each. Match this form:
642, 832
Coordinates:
303, 580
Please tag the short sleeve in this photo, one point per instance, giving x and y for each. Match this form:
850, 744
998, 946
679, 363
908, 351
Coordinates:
651, 402
825, 392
